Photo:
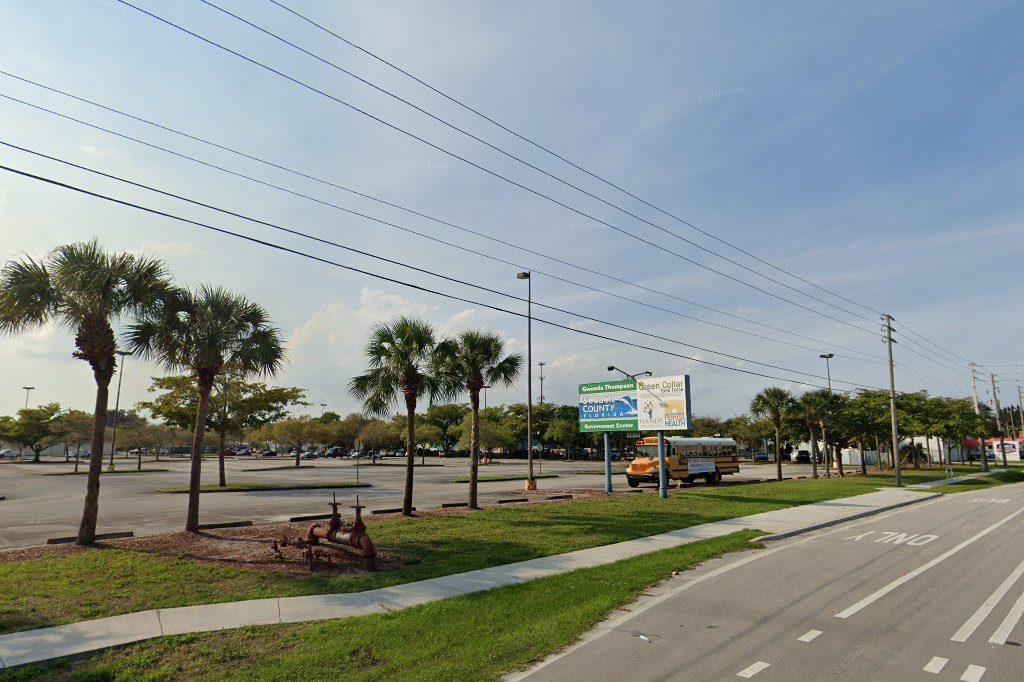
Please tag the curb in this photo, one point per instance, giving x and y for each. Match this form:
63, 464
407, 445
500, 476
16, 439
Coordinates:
836, 522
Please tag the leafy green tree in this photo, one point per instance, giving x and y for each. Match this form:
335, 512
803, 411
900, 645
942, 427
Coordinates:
447, 417
492, 434
204, 332
473, 360
773, 403
235, 406
75, 429
37, 428
403, 365
804, 414
296, 432
707, 427
345, 432
379, 434
84, 289
330, 417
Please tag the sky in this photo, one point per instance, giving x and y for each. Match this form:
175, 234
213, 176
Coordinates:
794, 170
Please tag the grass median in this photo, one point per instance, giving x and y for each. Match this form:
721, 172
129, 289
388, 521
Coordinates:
515, 477
92, 583
475, 637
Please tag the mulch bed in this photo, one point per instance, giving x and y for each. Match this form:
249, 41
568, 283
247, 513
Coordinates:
251, 548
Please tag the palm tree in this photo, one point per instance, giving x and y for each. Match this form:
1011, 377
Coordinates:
202, 332
403, 362
806, 410
472, 361
773, 403
85, 290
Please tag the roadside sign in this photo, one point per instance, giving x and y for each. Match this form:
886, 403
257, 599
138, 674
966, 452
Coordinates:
608, 406
634, 405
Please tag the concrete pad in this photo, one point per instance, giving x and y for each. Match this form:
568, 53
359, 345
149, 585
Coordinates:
327, 607
209, 617
20, 648
412, 594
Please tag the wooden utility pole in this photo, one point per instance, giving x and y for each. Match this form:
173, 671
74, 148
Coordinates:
892, 400
999, 418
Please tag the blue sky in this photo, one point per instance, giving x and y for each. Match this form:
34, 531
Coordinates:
873, 149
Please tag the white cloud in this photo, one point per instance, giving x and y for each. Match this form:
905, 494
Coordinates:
573, 361
95, 151
173, 250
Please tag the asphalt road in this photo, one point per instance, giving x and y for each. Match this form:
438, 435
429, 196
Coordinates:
933, 591
41, 506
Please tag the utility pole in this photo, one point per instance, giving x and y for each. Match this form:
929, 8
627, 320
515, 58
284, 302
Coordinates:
974, 390
892, 400
999, 418
1020, 406
541, 398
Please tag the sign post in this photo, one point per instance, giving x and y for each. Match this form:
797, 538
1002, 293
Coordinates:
662, 468
607, 462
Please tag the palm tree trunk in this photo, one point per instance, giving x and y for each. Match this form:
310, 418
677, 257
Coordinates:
828, 453
91, 510
195, 475
474, 447
778, 451
220, 458
410, 453
814, 451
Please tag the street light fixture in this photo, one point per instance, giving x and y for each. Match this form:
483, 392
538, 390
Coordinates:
323, 406
117, 407
531, 482
27, 389
613, 368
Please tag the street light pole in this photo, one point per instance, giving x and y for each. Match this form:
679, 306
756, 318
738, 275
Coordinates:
323, 406
27, 389
541, 365
486, 386
828, 374
892, 402
531, 482
999, 418
117, 406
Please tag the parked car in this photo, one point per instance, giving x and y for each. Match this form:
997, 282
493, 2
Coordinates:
336, 451
760, 456
803, 457
242, 452
312, 454
268, 453
7, 453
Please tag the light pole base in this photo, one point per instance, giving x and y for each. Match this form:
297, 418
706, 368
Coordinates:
530, 484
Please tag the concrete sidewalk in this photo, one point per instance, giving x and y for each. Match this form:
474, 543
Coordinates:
33, 646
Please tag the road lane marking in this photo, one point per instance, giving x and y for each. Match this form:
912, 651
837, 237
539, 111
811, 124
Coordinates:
1002, 633
810, 636
878, 594
974, 673
936, 665
991, 500
755, 669
968, 628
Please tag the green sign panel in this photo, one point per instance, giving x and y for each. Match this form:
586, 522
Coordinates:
608, 406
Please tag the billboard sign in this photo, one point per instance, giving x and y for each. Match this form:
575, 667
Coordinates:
652, 404
608, 406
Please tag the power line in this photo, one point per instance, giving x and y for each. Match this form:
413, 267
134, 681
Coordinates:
562, 158
392, 261
953, 357
393, 280
519, 159
420, 214
957, 370
485, 169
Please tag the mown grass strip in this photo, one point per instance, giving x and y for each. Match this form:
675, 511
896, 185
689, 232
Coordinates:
284, 467
250, 487
92, 583
480, 636
83, 472
523, 477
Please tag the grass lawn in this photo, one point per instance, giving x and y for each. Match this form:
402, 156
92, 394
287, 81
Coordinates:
523, 477
249, 487
95, 583
474, 637
85, 471
284, 467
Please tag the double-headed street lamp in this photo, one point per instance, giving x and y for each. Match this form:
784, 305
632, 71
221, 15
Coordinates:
531, 482
613, 368
828, 372
27, 389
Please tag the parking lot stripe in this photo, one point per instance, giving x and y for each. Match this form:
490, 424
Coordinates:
753, 670
936, 665
979, 616
809, 636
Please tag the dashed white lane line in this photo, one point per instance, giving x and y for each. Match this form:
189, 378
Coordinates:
809, 636
878, 594
968, 628
1002, 633
936, 665
755, 669
974, 673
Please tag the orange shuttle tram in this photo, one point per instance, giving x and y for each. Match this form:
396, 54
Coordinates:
686, 459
